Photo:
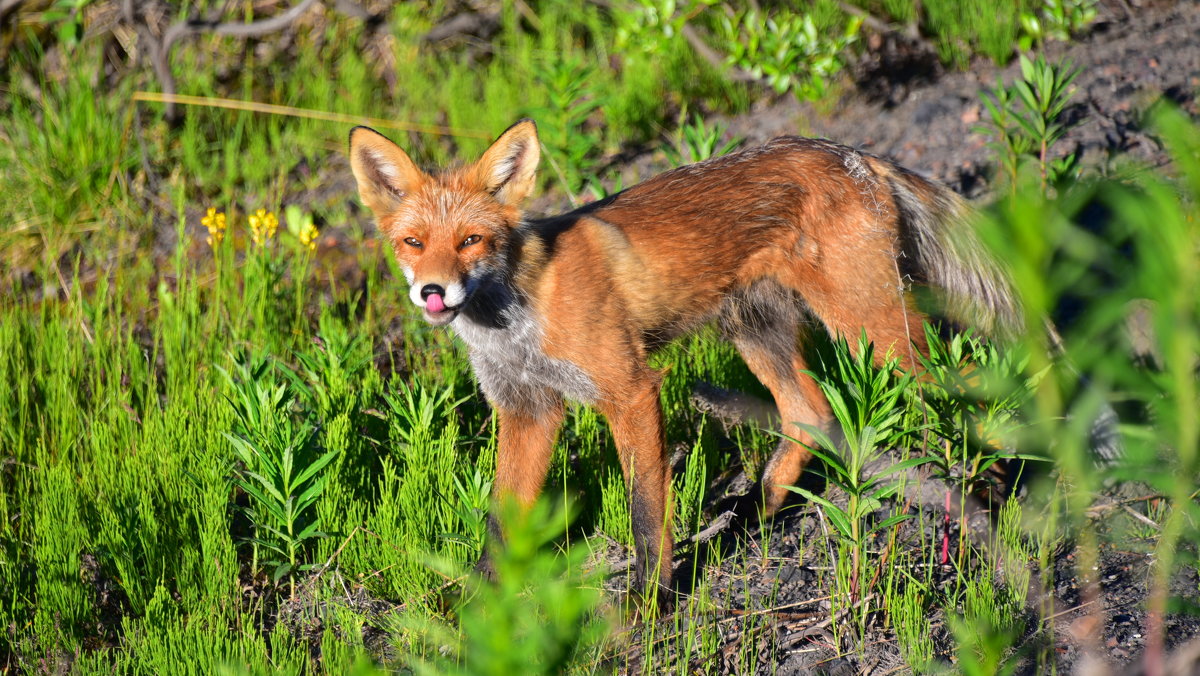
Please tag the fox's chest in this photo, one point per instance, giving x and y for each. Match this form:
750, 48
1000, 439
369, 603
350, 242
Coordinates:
512, 368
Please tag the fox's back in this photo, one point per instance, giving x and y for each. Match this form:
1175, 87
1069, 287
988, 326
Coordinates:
680, 242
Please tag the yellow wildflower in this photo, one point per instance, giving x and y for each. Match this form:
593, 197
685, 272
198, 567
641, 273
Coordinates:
263, 224
215, 223
308, 236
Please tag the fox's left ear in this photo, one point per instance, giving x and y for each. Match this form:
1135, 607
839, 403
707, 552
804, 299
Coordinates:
508, 168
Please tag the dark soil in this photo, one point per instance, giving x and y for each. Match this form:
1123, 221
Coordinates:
777, 618
927, 122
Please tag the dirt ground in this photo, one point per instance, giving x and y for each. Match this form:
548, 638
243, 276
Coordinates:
909, 109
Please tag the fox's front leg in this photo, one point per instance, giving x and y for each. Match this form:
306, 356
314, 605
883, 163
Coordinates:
527, 435
637, 427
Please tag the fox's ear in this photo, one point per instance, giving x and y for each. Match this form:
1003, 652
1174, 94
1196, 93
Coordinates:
384, 172
508, 168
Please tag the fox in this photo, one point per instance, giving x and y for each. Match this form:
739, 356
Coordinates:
772, 243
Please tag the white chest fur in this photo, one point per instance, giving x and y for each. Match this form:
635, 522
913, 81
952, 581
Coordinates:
512, 368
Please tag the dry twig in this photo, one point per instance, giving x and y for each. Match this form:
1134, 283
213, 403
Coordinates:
159, 51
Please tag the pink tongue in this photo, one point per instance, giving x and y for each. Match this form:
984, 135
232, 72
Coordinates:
433, 303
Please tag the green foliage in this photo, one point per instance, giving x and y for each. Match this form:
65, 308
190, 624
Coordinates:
63, 163
68, 14
563, 125
962, 28
1025, 121
983, 648
980, 391
787, 50
471, 503
908, 610
691, 486
1056, 20
281, 467
536, 616
614, 520
647, 27
697, 141
866, 403
333, 369
1144, 256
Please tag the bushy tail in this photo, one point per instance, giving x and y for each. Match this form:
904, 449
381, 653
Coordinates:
937, 231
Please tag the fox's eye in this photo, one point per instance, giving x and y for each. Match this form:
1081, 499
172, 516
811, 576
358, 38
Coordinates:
413, 242
470, 240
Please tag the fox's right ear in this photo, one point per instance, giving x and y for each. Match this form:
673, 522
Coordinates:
384, 172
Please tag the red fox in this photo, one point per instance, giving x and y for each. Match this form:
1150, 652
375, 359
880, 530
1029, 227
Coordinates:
769, 242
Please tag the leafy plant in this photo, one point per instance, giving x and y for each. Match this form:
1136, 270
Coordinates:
471, 506
613, 518
537, 615
332, 367
599, 190
573, 145
961, 29
1056, 20
697, 141
974, 397
786, 50
908, 610
690, 487
1025, 120
1145, 253
984, 644
646, 29
867, 403
69, 16
417, 409
280, 469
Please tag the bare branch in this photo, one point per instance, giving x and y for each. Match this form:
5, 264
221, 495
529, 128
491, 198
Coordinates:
241, 30
159, 52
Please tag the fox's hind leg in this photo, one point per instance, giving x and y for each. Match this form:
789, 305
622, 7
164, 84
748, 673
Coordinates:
766, 323
855, 282
799, 400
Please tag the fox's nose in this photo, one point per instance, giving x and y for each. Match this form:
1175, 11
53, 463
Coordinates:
430, 289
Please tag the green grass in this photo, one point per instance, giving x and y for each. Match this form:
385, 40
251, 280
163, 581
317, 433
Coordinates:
121, 474
152, 380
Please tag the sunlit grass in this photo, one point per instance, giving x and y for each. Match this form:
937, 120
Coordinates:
137, 533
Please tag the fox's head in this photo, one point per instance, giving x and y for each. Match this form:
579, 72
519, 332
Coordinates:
449, 230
